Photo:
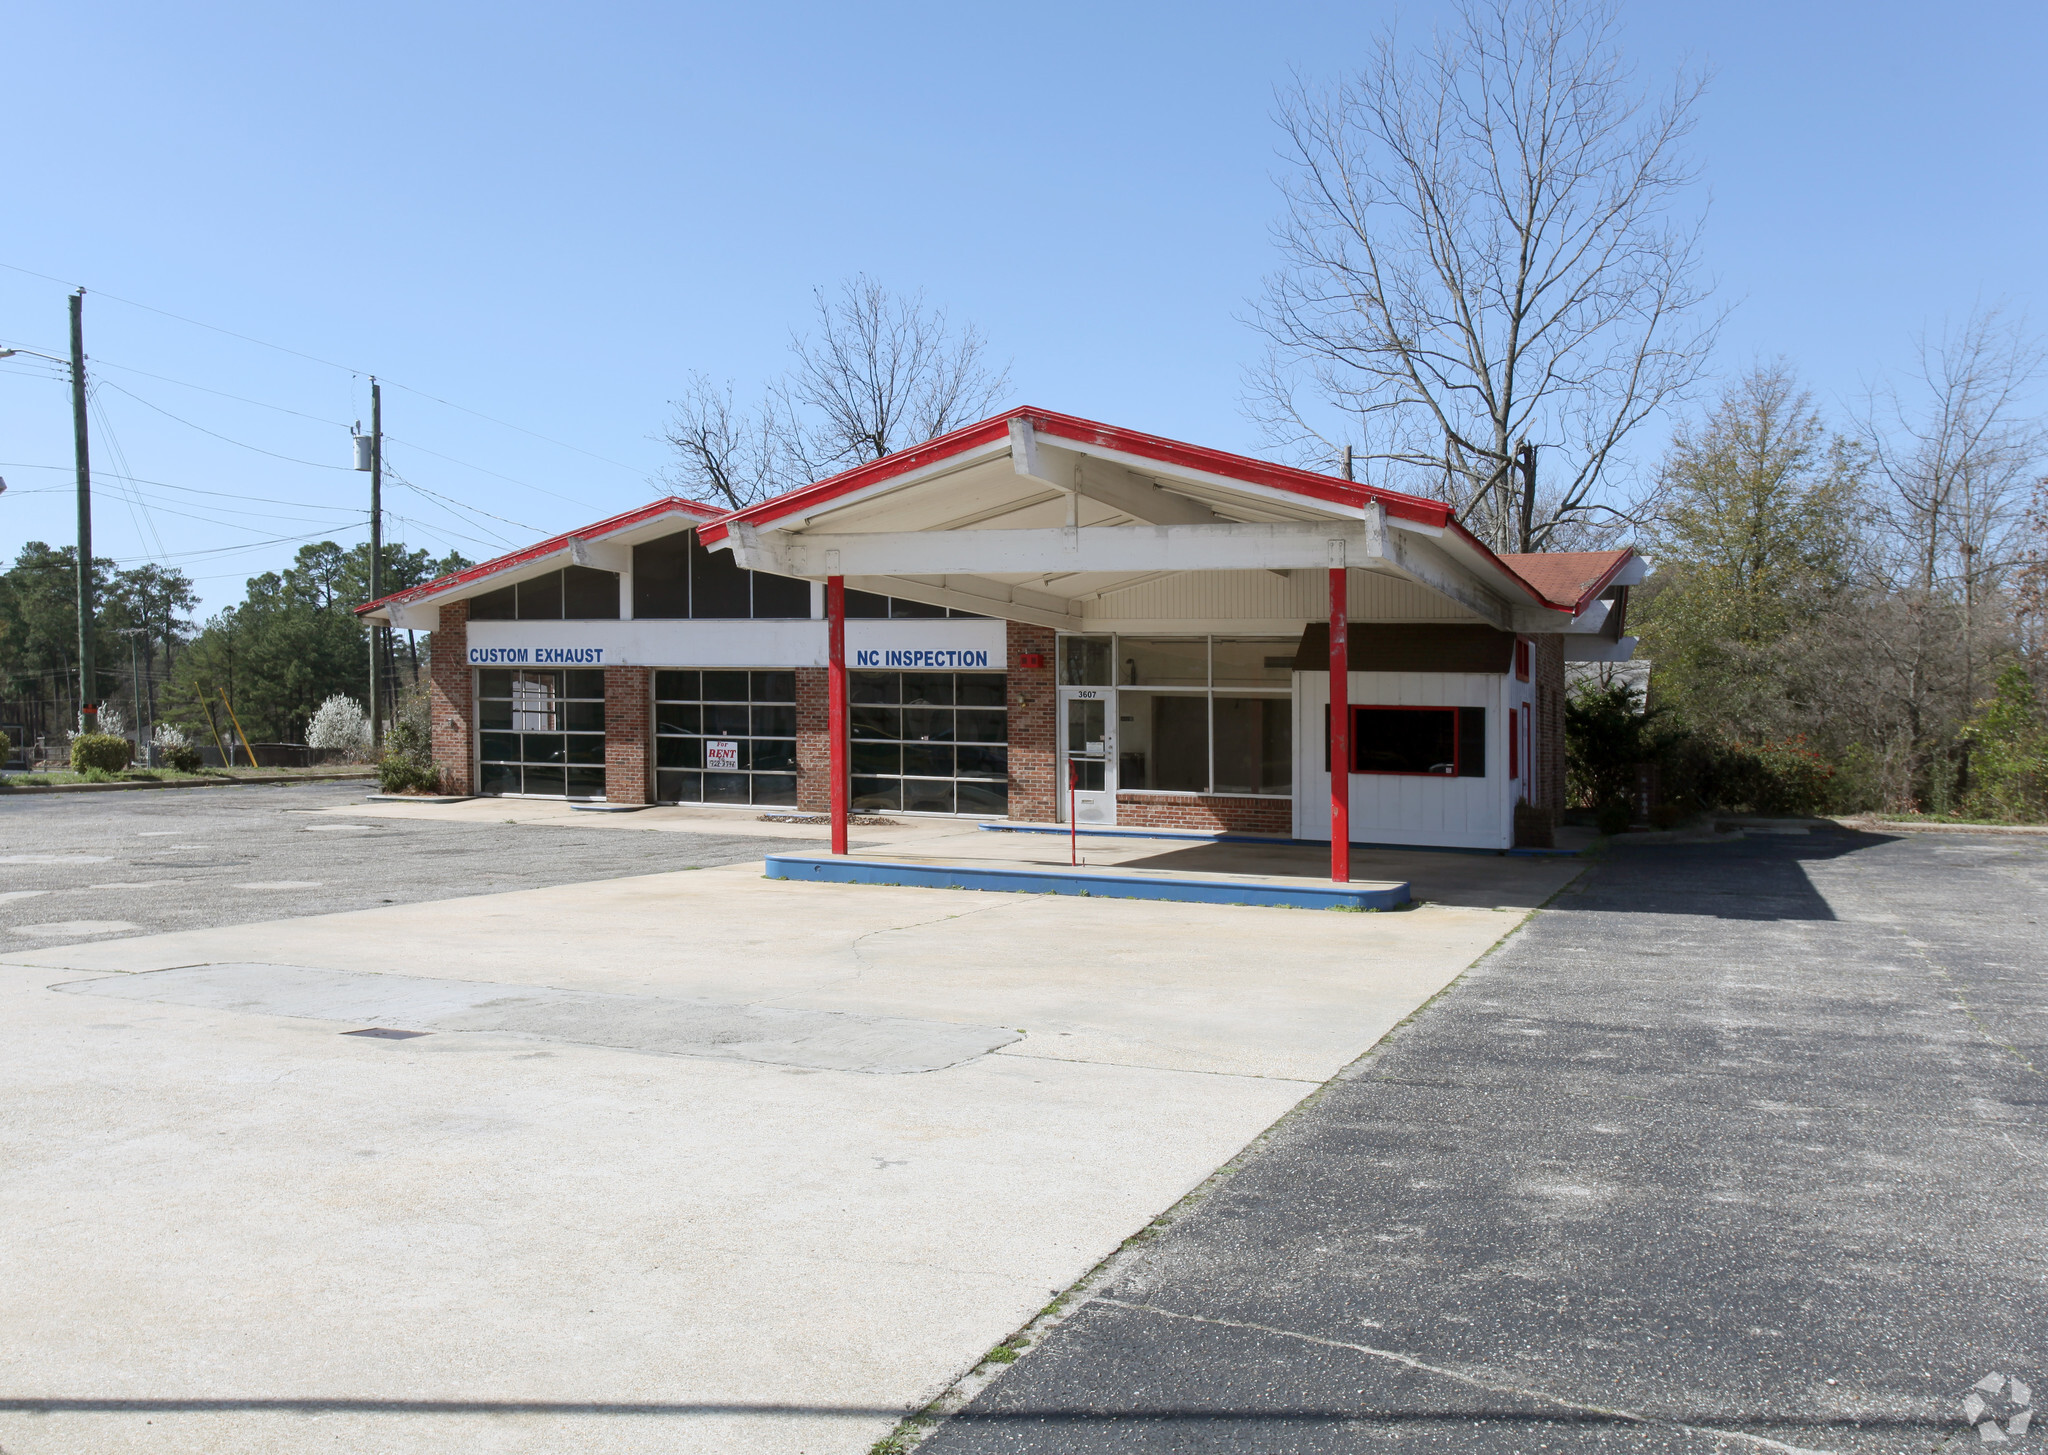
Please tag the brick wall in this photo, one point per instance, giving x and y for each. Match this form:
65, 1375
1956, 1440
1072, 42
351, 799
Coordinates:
814, 739
1548, 671
451, 699
1034, 725
628, 734
1204, 814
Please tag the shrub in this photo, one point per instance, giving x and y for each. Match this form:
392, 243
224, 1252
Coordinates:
6, 747
397, 773
180, 757
339, 725
408, 762
2009, 753
1608, 733
1612, 817
103, 751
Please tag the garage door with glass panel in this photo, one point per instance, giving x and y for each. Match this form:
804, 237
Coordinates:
930, 742
540, 734
725, 736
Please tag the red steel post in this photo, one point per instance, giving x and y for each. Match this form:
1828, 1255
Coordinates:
835, 710
1340, 728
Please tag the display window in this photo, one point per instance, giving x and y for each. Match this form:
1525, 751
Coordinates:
930, 742
1208, 715
540, 734
725, 736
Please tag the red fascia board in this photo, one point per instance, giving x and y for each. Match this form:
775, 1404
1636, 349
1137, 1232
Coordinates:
1085, 431
668, 505
1420, 509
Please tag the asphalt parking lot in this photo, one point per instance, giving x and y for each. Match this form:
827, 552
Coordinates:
102, 865
1736, 1147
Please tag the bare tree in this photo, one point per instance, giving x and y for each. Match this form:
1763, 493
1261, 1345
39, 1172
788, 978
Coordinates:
725, 453
1958, 450
880, 373
1481, 261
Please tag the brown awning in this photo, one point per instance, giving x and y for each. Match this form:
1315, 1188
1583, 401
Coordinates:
1410, 647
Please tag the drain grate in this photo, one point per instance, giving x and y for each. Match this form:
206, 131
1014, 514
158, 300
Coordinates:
385, 1033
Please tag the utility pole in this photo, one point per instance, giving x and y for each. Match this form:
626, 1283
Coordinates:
376, 564
1525, 456
88, 695
1347, 463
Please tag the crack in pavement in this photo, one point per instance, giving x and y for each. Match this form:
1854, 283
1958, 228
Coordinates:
1761, 1442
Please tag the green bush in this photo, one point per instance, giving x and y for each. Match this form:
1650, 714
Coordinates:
6, 747
2008, 753
1608, 733
181, 758
400, 773
1612, 817
103, 751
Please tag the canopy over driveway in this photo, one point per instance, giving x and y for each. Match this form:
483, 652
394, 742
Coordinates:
1070, 524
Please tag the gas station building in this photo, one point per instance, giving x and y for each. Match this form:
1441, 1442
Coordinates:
1032, 617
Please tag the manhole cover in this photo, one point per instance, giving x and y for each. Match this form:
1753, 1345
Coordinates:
385, 1033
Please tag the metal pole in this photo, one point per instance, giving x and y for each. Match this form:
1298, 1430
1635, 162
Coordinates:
835, 710
1340, 727
135, 685
376, 564
88, 675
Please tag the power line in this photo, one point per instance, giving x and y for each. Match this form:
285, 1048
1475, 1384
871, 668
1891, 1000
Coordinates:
244, 444
164, 484
329, 363
206, 389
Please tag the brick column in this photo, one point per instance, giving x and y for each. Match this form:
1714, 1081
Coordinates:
1034, 725
1548, 672
628, 735
451, 699
813, 742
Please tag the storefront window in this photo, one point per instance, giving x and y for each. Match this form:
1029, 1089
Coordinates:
725, 737
930, 742
1194, 714
541, 734
1162, 661
1085, 661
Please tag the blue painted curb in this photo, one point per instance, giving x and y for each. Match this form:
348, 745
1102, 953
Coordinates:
824, 869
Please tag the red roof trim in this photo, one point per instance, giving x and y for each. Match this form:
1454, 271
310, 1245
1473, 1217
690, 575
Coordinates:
1125, 441
1085, 431
667, 505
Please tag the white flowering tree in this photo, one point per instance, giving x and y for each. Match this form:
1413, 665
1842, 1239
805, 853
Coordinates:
340, 724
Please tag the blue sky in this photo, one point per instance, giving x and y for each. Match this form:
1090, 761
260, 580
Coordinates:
552, 214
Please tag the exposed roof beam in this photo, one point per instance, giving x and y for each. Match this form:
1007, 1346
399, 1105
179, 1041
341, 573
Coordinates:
1426, 563
1105, 483
1115, 550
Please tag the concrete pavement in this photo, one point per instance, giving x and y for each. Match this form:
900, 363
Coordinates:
236, 1230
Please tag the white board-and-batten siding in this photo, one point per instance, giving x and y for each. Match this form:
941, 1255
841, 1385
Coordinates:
1260, 601
1452, 813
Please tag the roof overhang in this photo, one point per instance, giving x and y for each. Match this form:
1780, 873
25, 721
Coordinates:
607, 546
1030, 514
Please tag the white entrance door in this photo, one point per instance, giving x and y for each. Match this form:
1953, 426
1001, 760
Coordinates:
1088, 754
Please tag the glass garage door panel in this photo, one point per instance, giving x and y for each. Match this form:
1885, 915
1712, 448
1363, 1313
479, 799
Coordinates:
930, 742
725, 737
540, 734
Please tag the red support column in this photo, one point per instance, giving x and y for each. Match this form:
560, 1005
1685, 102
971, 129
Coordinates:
1340, 727
835, 710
